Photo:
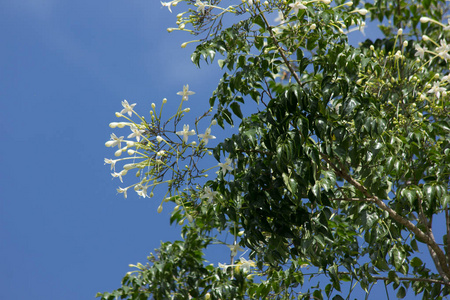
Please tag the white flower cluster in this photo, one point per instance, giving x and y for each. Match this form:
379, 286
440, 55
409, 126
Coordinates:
154, 152
441, 50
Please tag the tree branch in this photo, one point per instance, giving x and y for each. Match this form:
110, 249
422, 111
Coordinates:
354, 199
280, 50
405, 279
429, 240
447, 221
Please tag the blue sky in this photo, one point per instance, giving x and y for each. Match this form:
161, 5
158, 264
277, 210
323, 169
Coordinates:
65, 68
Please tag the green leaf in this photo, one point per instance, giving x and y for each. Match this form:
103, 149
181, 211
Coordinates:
349, 106
401, 293
416, 262
429, 191
235, 107
259, 21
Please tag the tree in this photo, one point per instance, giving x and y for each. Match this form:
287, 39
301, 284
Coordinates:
341, 174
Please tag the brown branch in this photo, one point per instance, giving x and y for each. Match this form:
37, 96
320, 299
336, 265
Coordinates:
354, 199
427, 223
280, 49
447, 221
428, 239
405, 279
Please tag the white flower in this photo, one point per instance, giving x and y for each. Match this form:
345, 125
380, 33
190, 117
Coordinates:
186, 92
443, 50
207, 136
234, 249
186, 133
445, 79
280, 17
225, 267
124, 191
115, 141
436, 90
171, 3
420, 51
120, 174
245, 265
296, 6
136, 132
210, 194
127, 108
362, 25
448, 26
226, 166
142, 191
112, 162
200, 6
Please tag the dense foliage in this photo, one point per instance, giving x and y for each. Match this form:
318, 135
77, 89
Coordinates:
341, 174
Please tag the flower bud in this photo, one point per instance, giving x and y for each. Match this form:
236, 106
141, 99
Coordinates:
153, 105
109, 143
372, 48
190, 218
118, 114
181, 222
159, 139
184, 45
405, 43
181, 26
424, 20
164, 101
118, 152
160, 208
129, 166
213, 122
350, 3
362, 12
113, 124
313, 26
169, 29
176, 208
130, 144
425, 38
187, 109
399, 31
194, 143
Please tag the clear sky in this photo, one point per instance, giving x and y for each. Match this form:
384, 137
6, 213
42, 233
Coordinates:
65, 67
